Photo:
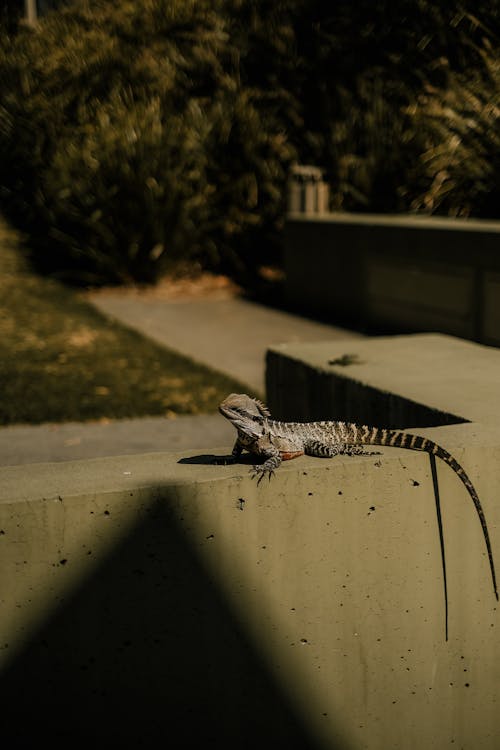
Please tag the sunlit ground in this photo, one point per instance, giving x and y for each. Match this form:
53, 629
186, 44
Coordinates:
61, 360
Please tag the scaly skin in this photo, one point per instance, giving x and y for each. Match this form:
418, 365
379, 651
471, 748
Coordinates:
280, 441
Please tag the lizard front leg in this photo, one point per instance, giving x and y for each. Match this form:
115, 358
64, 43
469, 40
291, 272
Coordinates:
237, 449
274, 449
272, 462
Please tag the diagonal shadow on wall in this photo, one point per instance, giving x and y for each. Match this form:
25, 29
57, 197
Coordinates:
146, 653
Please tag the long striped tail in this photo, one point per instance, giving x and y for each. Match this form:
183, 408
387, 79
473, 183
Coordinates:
399, 439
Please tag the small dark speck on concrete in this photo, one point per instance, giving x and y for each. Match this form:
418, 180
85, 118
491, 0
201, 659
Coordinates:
63, 561
210, 536
2, 532
106, 513
345, 360
339, 492
241, 503
309, 494
415, 483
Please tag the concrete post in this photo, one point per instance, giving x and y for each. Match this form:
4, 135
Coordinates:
30, 11
307, 192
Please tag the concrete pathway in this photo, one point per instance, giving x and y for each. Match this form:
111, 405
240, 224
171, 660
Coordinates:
72, 441
230, 334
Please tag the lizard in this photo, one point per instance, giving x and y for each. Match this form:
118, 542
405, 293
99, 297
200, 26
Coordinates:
276, 441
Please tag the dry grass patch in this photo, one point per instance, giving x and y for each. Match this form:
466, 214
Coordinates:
61, 360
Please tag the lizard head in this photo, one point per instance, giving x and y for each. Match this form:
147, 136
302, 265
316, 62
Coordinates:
244, 412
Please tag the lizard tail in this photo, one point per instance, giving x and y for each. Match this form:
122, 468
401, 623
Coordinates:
399, 439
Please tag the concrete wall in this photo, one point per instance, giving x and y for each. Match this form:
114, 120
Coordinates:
306, 612
397, 273
143, 596
391, 381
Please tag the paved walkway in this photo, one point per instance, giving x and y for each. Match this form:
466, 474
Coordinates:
229, 334
73, 441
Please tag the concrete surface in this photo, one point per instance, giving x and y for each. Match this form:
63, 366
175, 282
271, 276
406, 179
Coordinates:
27, 444
158, 596
230, 335
422, 379
397, 273
164, 593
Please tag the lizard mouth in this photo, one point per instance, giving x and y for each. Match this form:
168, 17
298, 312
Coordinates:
246, 423
233, 415
226, 412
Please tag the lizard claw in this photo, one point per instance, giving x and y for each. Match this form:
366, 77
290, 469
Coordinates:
260, 473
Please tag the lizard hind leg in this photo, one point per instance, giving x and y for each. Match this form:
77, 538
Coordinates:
322, 450
326, 450
348, 449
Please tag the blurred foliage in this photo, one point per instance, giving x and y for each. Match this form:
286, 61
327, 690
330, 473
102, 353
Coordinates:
127, 141
135, 134
373, 65
459, 165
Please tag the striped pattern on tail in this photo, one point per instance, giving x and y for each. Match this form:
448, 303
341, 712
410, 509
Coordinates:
398, 439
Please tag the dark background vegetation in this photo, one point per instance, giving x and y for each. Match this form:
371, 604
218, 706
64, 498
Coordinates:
134, 136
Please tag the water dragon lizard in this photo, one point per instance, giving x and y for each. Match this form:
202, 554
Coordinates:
276, 441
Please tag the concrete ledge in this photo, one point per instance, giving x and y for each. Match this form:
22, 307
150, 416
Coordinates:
407, 381
146, 596
398, 273
389, 381
143, 596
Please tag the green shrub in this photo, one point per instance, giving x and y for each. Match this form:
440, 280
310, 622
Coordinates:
136, 134
458, 171
374, 61
128, 142
127, 192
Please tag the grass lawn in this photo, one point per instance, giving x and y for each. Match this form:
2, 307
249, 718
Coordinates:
61, 360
